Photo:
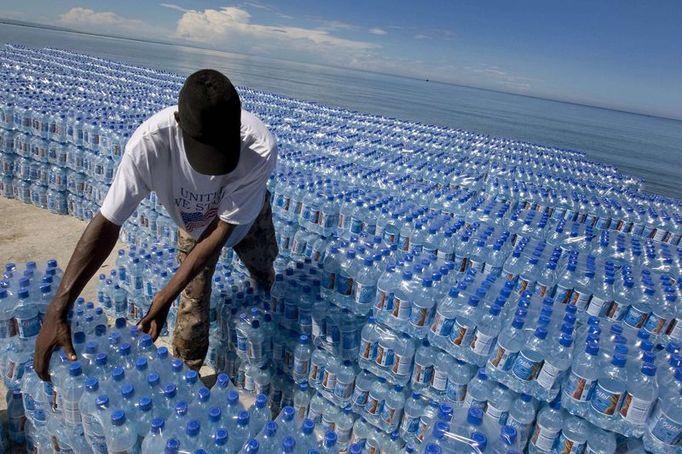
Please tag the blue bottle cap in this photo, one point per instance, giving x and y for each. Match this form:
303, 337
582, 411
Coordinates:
220, 437
127, 390
214, 414
243, 418
204, 394
307, 426
261, 400
232, 397
91, 384
169, 390
141, 364
144, 403
181, 408
270, 428
75, 369
157, 425
118, 417
193, 427
288, 413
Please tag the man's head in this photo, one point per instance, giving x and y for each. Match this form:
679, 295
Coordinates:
209, 115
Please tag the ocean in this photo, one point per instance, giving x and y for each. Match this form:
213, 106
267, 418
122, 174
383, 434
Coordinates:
644, 146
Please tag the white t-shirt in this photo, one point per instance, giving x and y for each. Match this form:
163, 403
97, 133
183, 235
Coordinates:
154, 160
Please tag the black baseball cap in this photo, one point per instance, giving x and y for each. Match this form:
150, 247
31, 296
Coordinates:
209, 115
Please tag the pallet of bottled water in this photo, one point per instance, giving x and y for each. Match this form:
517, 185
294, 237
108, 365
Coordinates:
436, 289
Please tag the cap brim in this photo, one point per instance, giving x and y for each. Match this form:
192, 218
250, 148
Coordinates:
209, 159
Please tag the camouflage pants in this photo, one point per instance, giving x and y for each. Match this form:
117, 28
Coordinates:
257, 250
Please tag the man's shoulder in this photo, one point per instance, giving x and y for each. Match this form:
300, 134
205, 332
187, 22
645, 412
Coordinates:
154, 132
255, 130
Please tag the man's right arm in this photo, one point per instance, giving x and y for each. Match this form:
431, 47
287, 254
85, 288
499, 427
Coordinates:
94, 246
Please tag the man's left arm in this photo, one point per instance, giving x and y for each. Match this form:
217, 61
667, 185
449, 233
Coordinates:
208, 246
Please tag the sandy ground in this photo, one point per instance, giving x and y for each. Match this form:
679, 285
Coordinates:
30, 233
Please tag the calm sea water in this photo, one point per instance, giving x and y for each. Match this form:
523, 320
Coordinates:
644, 146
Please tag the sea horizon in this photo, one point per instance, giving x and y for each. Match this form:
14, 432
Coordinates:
28, 24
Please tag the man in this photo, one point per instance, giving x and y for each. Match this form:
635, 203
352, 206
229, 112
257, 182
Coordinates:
208, 162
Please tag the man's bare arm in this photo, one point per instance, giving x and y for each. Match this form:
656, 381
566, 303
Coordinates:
208, 246
94, 246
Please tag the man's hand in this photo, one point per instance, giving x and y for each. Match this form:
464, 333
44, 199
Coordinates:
55, 333
153, 322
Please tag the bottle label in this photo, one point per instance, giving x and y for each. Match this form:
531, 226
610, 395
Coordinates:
328, 379
360, 396
496, 414
635, 410
616, 310
580, 299
502, 359
391, 414
541, 289
401, 308
409, 425
401, 365
482, 343
384, 356
328, 280
343, 390
300, 411
469, 401
327, 424
655, 323
522, 429
344, 284
566, 445
355, 225
461, 331
382, 299
419, 316
440, 380
301, 366
527, 365
578, 388
363, 294
548, 375
563, 294
71, 412
373, 406
367, 349
456, 392
445, 256
441, 326
674, 329
343, 435
326, 220
605, 400
544, 438
8, 328
665, 429
422, 374
596, 306
635, 317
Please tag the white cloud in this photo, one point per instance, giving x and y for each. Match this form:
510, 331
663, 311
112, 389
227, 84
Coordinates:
108, 22
377, 31
503, 79
421, 36
231, 28
173, 6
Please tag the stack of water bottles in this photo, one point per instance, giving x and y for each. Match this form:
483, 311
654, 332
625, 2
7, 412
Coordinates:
434, 286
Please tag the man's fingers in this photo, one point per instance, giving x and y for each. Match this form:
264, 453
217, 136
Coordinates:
68, 349
153, 330
40, 364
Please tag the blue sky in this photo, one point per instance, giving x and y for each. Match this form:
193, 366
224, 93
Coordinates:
621, 54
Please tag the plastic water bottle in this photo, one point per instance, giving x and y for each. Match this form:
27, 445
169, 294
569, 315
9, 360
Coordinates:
579, 385
121, 437
302, 355
155, 441
642, 392
664, 426
547, 428
521, 417
609, 391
